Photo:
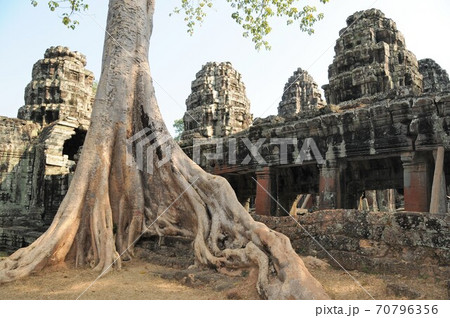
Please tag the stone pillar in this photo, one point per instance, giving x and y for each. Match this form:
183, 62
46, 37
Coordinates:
391, 200
329, 186
416, 181
371, 196
438, 192
386, 200
264, 203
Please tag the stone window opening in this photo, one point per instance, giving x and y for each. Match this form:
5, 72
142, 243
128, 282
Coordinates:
401, 58
38, 116
73, 144
74, 75
44, 69
51, 116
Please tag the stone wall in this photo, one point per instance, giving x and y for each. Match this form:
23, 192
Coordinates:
400, 242
36, 173
17, 161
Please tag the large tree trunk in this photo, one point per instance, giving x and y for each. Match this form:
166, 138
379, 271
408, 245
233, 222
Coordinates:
110, 202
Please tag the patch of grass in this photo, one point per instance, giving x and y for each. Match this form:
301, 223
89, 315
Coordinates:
3, 254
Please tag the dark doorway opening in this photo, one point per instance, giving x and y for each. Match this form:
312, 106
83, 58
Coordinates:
72, 145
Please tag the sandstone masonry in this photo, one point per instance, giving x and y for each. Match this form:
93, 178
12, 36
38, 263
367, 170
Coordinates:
300, 94
40, 149
371, 62
378, 198
218, 105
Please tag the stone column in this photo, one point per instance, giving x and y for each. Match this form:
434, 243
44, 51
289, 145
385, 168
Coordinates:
416, 182
438, 193
264, 203
391, 200
329, 186
386, 200
371, 196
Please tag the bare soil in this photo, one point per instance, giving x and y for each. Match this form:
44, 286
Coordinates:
140, 279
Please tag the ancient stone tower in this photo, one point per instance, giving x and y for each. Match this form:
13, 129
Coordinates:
218, 105
300, 94
40, 150
371, 62
435, 79
60, 87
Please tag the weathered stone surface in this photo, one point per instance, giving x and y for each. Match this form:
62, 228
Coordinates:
38, 155
383, 242
218, 105
387, 128
371, 62
300, 94
16, 166
435, 79
361, 145
60, 87
13, 238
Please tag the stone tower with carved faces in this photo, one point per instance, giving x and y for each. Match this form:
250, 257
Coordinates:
371, 62
301, 94
218, 105
60, 87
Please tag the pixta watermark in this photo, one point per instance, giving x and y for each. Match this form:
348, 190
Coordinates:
300, 151
142, 146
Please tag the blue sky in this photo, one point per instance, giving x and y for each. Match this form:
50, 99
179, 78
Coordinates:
175, 57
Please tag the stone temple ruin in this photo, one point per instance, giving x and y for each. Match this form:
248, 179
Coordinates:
381, 191
372, 184
60, 87
435, 79
40, 149
218, 105
371, 62
301, 94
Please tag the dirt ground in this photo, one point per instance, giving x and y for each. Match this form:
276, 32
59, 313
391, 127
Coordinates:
139, 279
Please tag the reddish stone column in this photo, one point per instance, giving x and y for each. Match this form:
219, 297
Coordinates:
264, 204
416, 181
438, 191
329, 186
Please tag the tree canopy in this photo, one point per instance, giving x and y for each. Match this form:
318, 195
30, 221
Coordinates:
178, 124
253, 15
